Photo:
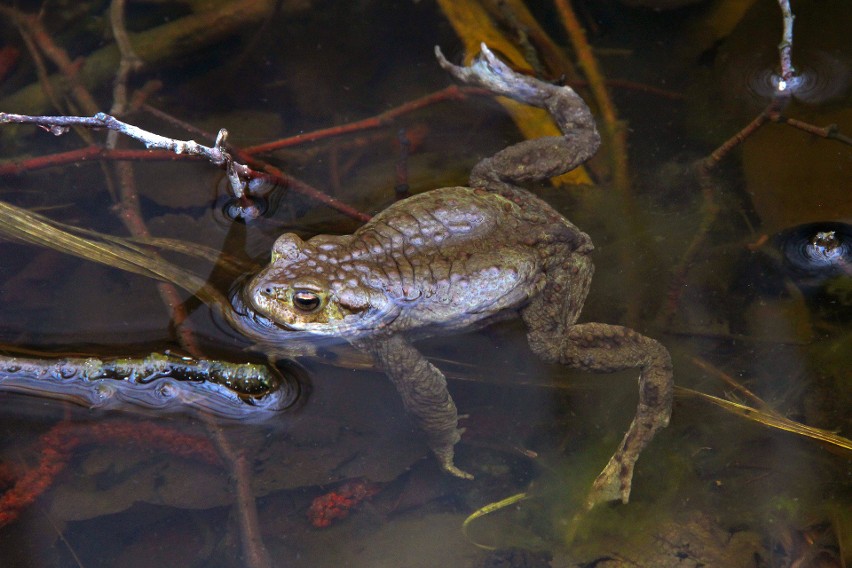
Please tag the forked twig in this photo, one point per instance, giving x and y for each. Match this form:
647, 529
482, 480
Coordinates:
784, 90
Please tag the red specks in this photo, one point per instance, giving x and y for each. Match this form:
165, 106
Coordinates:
337, 504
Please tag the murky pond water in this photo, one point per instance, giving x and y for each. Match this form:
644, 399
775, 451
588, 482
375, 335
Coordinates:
741, 269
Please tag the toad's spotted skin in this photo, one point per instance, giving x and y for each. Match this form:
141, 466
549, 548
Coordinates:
457, 258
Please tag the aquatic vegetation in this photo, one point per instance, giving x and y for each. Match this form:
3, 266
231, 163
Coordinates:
21, 486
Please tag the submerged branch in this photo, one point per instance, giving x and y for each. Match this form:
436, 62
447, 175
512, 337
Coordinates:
159, 382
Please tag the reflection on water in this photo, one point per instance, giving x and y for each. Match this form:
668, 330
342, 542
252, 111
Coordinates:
750, 302
228, 391
820, 78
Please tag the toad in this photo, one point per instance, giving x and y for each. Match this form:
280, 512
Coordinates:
459, 258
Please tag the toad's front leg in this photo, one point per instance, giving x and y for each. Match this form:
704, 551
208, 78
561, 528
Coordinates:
424, 393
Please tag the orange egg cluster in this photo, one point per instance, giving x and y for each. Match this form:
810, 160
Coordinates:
337, 504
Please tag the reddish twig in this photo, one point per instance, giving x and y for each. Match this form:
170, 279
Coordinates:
719, 153
17, 167
297, 185
830, 132
240, 468
453, 93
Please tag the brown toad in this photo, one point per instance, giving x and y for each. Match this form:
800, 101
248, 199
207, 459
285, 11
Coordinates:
457, 258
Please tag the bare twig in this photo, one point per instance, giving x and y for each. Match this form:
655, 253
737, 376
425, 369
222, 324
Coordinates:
255, 554
299, 186
216, 154
383, 119
785, 48
716, 156
830, 132
772, 113
129, 62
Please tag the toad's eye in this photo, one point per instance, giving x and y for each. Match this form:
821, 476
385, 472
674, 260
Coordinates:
306, 301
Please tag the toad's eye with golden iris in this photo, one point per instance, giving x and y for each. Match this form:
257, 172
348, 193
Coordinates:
306, 301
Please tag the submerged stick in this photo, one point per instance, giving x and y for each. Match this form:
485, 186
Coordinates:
157, 382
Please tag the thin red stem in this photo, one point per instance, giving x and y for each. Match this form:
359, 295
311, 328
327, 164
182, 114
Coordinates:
453, 93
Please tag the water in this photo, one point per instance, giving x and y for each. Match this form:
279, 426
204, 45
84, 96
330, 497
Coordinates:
715, 487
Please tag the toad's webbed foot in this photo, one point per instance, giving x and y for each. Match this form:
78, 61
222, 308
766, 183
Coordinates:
489, 72
445, 458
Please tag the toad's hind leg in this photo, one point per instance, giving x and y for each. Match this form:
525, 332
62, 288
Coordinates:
537, 159
605, 348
